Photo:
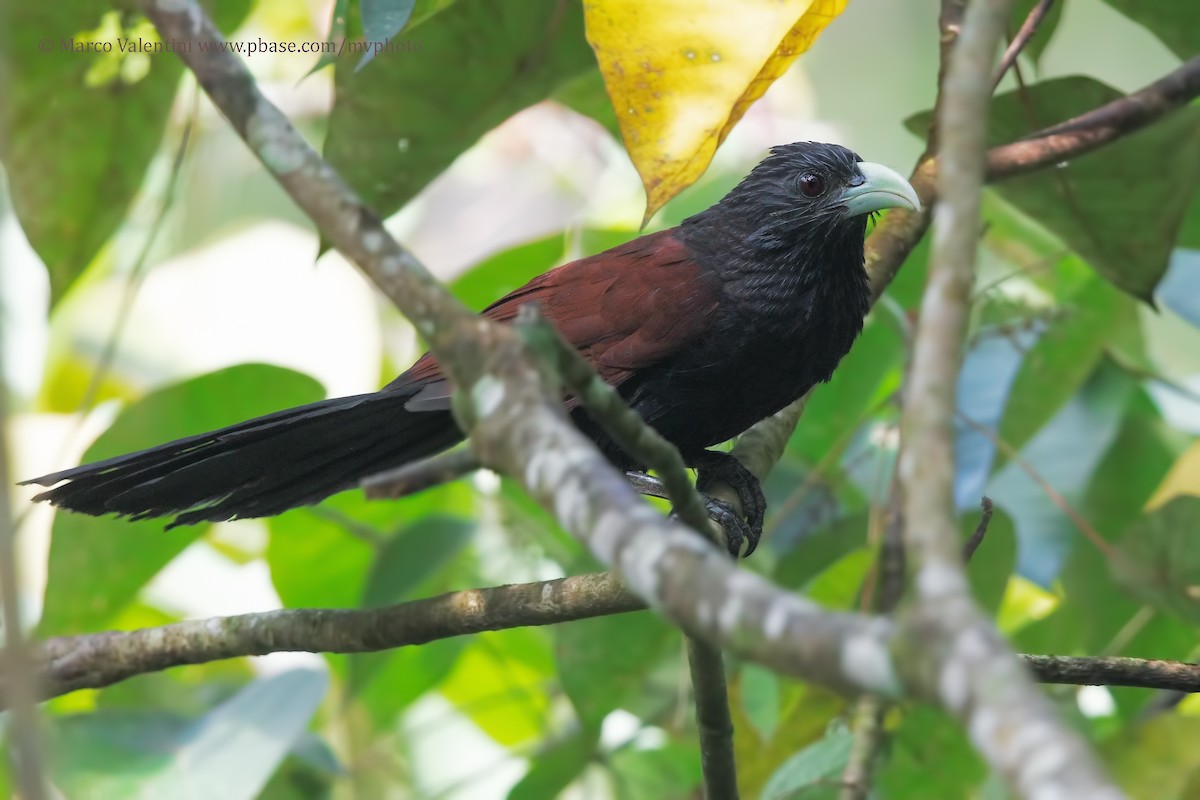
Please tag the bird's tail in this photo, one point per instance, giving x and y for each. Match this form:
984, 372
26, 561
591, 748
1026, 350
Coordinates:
259, 467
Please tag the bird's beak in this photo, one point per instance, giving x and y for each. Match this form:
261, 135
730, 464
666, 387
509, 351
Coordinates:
883, 188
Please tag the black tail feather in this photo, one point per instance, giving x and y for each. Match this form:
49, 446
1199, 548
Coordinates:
260, 467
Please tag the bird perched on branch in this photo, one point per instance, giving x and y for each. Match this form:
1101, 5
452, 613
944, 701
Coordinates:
704, 329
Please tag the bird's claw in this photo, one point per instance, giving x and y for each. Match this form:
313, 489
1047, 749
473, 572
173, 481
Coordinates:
737, 530
720, 467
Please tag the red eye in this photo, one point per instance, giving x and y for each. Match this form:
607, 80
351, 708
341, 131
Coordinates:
811, 185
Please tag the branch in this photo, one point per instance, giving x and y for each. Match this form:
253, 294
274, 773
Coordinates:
985, 518
967, 666
95, 660
1028, 30
421, 475
1116, 671
1098, 127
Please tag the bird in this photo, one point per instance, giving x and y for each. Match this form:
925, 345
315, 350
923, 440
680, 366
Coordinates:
703, 329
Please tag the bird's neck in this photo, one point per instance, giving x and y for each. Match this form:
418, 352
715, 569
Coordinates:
789, 282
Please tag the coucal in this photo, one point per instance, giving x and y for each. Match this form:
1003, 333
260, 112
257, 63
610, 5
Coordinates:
704, 329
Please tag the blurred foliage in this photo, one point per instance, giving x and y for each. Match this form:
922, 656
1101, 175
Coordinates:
1077, 400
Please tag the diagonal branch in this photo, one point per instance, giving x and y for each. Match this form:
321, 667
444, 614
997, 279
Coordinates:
1025, 34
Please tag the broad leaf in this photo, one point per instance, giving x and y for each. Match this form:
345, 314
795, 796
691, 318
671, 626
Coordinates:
603, 661
79, 130
678, 89
1159, 558
555, 767
229, 753
403, 118
1119, 207
98, 565
1176, 24
381, 20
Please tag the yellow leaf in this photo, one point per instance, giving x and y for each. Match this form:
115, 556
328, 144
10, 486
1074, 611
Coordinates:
1184, 478
681, 73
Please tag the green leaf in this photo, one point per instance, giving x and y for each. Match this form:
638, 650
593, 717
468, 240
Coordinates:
98, 565
1064, 356
555, 767
605, 660
812, 767
760, 698
1176, 24
230, 752
388, 682
1120, 207
75, 164
494, 277
671, 772
820, 549
500, 681
929, 757
381, 20
1156, 759
399, 122
1159, 558
343, 534
412, 555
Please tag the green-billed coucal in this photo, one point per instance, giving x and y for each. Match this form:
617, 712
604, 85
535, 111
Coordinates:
704, 329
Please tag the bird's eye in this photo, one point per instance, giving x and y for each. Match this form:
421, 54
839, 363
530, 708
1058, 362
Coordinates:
811, 185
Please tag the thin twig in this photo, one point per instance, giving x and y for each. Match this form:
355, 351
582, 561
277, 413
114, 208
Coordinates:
1085, 133
1011, 453
1025, 34
421, 475
980, 531
869, 734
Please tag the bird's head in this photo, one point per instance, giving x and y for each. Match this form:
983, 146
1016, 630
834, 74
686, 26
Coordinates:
797, 220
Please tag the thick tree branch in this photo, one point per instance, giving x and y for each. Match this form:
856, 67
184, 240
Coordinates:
961, 659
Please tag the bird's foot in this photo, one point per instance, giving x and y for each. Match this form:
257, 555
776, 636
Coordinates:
737, 529
715, 467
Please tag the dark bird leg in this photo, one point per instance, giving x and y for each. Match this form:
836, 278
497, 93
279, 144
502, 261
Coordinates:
737, 529
712, 467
